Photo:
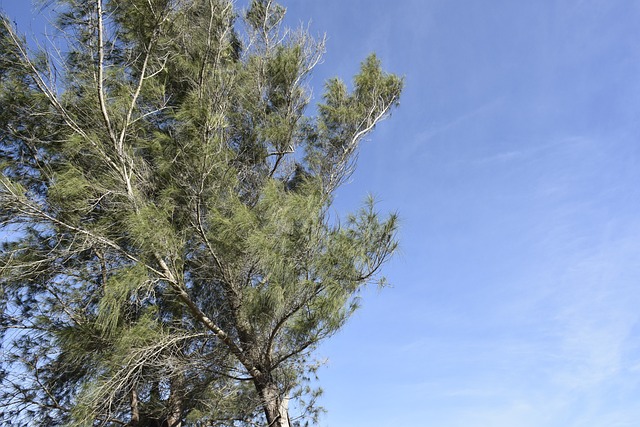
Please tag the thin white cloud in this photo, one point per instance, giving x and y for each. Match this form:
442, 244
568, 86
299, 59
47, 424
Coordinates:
436, 129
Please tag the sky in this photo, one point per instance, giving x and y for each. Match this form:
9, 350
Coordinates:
514, 164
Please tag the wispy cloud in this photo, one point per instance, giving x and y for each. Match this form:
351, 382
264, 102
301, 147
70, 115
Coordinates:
533, 149
436, 129
563, 349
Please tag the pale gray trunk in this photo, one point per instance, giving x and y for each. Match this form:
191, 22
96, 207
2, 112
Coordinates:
135, 410
276, 406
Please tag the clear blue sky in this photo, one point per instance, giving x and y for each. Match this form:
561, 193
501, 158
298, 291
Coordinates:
514, 163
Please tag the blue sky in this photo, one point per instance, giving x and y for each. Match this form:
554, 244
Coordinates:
514, 164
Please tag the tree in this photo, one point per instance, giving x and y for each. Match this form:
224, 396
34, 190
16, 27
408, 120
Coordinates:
169, 255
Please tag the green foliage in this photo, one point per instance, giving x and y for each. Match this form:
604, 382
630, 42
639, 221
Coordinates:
119, 290
172, 259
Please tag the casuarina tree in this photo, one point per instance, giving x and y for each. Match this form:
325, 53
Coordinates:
169, 255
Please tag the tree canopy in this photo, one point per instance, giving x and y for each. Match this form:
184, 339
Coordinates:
169, 257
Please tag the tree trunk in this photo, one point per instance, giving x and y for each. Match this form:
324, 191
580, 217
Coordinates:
174, 418
135, 410
275, 405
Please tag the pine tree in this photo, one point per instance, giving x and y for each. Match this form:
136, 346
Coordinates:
169, 258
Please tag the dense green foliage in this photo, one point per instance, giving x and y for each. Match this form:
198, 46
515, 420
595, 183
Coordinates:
168, 256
